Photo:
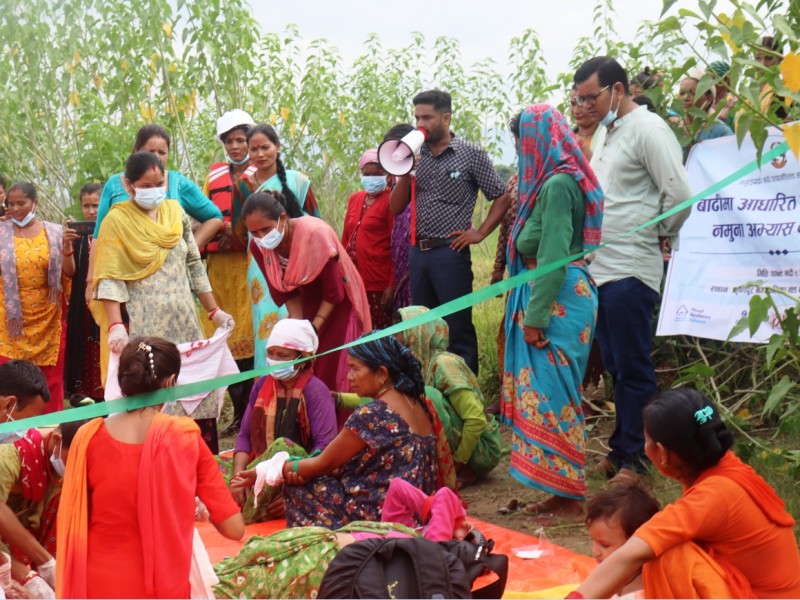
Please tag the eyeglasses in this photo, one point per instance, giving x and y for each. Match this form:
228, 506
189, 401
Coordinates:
589, 99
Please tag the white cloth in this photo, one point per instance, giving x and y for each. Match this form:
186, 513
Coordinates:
200, 361
640, 168
201, 577
297, 334
269, 472
38, 588
5, 571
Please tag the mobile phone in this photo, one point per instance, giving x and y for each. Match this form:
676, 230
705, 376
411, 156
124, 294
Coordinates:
82, 227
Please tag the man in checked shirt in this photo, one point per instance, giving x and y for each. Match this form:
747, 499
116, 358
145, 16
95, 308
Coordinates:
448, 176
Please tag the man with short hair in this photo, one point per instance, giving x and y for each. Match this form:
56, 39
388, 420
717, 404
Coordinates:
23, 473
448, 176
640, 167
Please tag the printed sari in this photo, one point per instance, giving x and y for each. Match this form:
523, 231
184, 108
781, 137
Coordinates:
541, 394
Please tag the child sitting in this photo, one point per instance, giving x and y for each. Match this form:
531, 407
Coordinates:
612, 516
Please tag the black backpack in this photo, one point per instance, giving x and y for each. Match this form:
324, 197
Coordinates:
394, 568
412, 568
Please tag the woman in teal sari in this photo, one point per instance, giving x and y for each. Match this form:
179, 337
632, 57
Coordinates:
550, 321
270, 175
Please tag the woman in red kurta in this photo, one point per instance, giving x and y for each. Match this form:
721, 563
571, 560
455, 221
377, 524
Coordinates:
726, 508
367, 237
126, 519
309, 271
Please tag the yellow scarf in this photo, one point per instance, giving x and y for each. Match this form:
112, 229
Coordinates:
131, 246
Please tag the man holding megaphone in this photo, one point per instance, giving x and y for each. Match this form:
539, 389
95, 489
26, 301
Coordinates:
449, 173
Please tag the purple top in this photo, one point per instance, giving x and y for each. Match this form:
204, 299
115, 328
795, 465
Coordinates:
320, 407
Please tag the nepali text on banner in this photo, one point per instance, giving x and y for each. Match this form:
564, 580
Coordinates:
747, 232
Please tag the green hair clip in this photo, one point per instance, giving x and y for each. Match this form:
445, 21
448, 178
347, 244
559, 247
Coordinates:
704, 415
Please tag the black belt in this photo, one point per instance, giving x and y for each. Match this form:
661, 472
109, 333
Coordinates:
431, 243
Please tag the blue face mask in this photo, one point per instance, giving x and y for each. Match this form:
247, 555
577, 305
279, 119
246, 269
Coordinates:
611, 115
10, 437
373, 184
26, 220
150, 198
282, 373
238, 163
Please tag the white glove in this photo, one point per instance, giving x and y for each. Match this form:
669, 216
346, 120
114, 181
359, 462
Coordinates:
200, 511
5, 571
222, 319
117, 338
38, 588
47, 571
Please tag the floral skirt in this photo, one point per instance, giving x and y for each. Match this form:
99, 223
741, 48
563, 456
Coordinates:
542, 388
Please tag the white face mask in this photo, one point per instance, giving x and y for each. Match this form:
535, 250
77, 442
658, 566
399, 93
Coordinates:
10, 437
150, 198
58, 463
272, 240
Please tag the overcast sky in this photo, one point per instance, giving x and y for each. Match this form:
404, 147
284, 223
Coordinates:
484, 29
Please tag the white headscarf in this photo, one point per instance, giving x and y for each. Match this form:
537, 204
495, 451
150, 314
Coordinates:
297, 334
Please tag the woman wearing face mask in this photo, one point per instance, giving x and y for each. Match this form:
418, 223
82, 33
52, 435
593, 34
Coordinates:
226, 254
307, 269
367, 236
264, 147
36, 262
290, 409
147, 258
154, 139
126, 521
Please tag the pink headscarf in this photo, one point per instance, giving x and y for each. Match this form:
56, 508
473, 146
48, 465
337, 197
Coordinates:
370, 156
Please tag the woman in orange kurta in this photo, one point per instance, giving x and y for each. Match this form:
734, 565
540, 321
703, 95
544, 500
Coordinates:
125, 523
726, 507
36, 262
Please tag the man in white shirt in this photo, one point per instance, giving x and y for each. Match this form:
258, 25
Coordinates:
640, 167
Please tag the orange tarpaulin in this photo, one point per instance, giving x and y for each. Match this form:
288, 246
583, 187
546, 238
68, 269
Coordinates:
549, 575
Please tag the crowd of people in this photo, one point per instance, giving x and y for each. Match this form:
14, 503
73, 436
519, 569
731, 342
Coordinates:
377, 439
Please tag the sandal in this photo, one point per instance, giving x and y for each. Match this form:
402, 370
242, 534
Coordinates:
626, 476
509, 508
555, 506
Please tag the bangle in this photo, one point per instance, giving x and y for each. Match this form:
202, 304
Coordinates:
212, 312
114, 324
321, 316
576, 595
70, 254
295, 465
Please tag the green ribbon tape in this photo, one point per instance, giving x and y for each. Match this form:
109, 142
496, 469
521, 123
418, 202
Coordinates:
162, 396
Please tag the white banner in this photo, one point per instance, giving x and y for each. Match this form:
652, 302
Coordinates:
747, 232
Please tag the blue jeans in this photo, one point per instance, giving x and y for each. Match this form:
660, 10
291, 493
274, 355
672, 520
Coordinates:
625, 334
438, 276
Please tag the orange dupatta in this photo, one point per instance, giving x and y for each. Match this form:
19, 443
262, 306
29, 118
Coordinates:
72, 523
167, 485
314, 243
732, 467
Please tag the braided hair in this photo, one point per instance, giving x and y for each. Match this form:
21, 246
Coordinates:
272, 136
687, 423
403, 367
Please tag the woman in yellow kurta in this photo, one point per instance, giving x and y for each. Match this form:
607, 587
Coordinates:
147, 259
36, 263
